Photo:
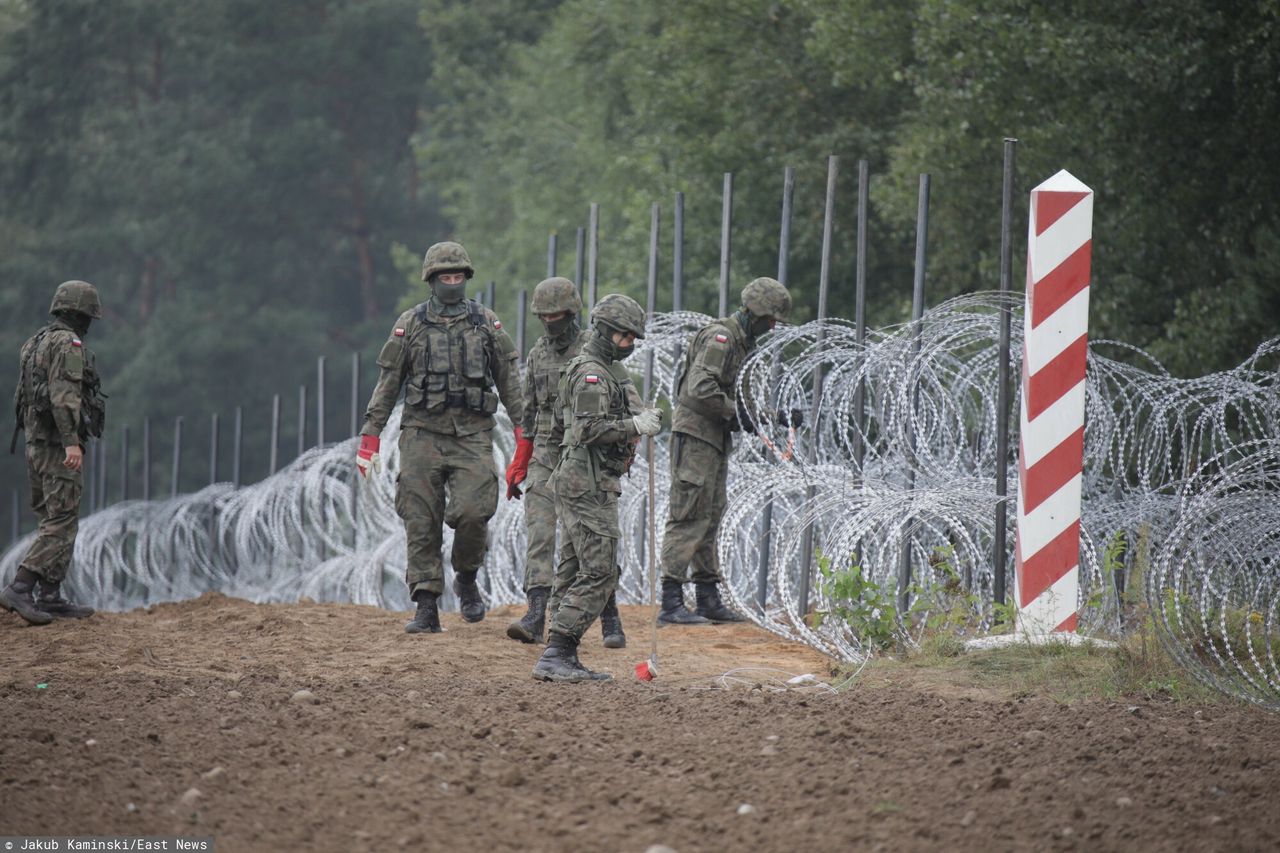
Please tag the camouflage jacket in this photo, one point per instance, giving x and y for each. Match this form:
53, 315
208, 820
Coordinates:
449, 367
544, 368
592, 422
706, 390
59, 398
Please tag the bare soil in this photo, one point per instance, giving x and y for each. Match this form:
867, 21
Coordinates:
444, 742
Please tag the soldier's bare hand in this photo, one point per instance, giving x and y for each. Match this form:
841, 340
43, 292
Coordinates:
75, 458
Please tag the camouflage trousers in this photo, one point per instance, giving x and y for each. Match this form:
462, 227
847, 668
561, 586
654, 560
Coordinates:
696, 504
444, 479
540, 527
55, 497
587, 573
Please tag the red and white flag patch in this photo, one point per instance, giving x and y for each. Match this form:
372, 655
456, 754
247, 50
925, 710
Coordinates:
592, 379
399, 333
497, 324
722, 339
75, 342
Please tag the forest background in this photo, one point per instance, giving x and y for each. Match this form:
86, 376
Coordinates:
252, 185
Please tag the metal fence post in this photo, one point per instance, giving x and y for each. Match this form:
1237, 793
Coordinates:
579, 258
302, 419
355, 393
124, 462
1004, 404
552, 249
593, 256
237, 447
860, 310
320, 383
651, 305
175, 473
274, 463
677, 255
213, 450
522, 320
146, 459
726, 231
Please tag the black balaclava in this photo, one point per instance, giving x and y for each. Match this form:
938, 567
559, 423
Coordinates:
604, 344
562, 331
78, 322
751, 324
448, 298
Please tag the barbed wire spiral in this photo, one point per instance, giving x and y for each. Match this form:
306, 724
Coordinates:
893, 470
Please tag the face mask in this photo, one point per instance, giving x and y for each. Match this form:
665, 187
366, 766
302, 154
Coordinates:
760, 325
557, 328
77, 321
449, 294
620, 353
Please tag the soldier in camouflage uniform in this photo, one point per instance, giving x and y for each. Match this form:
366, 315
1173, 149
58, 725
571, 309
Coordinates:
557, 304
597, 428
706, 414
59, 405
449, 354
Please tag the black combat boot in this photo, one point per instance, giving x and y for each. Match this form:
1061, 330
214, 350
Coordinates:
611, 625
17, 597
468, 592
711, 607
49, 599
673, 611
528, 628
559, 662
427, 619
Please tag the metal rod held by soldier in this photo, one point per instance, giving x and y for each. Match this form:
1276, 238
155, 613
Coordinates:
1003, 402
651, 292
726, 237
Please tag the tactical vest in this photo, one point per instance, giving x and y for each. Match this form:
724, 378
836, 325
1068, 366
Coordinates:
607, 396
31, 400
456, 365
547, 369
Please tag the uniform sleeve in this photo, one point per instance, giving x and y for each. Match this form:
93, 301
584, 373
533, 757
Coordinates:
529, 421
592, 423
66, 373
393, 366
506, 372
705, 386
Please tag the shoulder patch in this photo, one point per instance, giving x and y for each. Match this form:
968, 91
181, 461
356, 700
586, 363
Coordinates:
497, 324
592, 379
399, 333
75, 342
721, 338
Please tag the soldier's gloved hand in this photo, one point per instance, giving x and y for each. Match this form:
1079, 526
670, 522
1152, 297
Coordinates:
367, 456
789, 418
745, 422
519, 467
648, 422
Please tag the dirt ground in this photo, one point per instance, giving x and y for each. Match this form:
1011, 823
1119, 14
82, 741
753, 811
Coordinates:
445, 743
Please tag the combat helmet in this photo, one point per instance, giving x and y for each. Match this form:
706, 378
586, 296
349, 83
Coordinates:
554, 295
620, 313
767, 297
78, 296
442, 257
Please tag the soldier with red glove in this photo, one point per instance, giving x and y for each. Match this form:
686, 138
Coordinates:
450, 355
557, 304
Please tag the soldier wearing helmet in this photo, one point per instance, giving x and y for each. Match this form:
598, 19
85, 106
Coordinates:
595, 426
557, 304
449, 354
59, 406
707, 413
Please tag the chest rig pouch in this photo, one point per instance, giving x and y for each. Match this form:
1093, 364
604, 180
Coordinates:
456, 369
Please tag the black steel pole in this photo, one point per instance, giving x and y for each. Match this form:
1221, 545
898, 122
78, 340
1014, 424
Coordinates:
355, 393
175, 473
824, 280
213, 450
860, 309
552, 250
124, 462
237, 446
320, 383
522, 322
146, 459
726, 240
1003, 401
917, 315
677, 255
302, 419
579, 258
593, 256
766, 523
274, 463
491, 295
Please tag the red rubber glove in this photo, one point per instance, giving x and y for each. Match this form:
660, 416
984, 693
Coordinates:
519, 467
367, 456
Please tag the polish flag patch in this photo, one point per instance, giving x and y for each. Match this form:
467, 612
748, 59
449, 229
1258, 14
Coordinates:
497, 324
399, 333
722, 339
75, 342
592, 379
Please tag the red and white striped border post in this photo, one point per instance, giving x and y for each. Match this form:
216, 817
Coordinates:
1051, 457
